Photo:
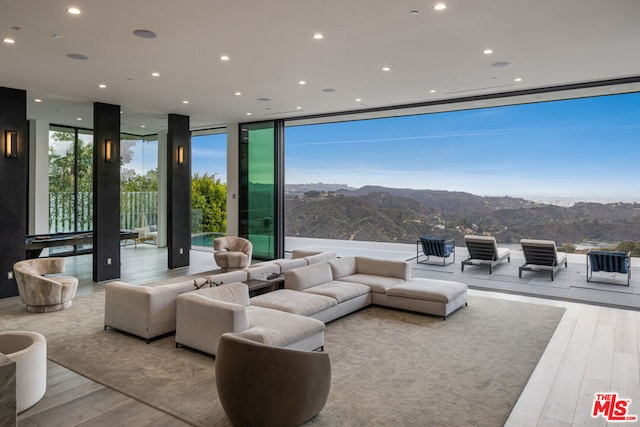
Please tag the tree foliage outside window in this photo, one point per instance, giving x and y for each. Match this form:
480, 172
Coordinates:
70, 164
208, 204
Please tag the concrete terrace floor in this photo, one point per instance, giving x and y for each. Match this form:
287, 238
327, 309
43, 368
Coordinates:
569, 284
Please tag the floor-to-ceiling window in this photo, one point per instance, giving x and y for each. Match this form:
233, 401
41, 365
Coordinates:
561, 170
139, 184
208, 187
70, 179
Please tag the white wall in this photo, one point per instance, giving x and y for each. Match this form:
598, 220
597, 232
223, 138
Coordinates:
38, 177
162, 189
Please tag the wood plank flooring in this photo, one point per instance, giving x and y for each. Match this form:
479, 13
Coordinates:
594, 349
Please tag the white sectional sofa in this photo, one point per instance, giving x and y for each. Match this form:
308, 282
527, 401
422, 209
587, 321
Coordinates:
338, 287
322, 290
204, 315
150, 311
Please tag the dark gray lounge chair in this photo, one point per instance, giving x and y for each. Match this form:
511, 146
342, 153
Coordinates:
483, 250
541, 255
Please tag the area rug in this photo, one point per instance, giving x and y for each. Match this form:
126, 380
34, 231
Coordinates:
389, 367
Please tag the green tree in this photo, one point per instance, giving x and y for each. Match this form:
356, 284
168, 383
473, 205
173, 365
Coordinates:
209, 196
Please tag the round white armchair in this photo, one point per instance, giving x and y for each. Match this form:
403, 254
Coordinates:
40, 293
232, 252
29, 351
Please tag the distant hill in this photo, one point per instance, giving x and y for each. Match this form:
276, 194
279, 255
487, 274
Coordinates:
296, 189
402, 215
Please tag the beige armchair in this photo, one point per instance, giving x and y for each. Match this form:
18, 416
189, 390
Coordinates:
232, 252
43, 294
264, 385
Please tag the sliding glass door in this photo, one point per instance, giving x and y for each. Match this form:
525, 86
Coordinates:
260, 193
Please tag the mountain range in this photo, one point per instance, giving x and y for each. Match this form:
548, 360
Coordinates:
374, 213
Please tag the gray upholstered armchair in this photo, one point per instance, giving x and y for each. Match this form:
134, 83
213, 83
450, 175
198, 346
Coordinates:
43, 294
232, 252
264, 385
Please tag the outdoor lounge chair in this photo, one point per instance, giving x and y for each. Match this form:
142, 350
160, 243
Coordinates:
435, 247
541, 255
483, 250
610, 262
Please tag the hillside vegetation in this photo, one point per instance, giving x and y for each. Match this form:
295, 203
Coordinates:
402, 215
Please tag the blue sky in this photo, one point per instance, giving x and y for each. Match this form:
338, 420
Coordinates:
208, 152
562, 151
585, 149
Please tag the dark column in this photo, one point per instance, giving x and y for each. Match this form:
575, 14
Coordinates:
13, 186
106, 192
178, 191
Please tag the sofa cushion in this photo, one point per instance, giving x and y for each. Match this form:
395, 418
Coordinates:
378, 284
290, 264
302, 303
236, 293
383, 267
429, 289
343, 267
321, 257
305, 277
302, 253
341, 291
279, 328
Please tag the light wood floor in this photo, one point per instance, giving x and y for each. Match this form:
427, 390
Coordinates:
594, 349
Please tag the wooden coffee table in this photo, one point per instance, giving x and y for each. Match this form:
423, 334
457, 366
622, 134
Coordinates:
259, 287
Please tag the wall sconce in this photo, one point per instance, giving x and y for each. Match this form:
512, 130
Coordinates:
109, 151
180, 154
11, 144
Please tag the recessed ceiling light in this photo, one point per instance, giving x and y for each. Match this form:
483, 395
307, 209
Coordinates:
517, 79
318, 36
155, 74
238, 93
414, 12
386, 68
37, 100
248, 114
102, 86
79, 119
500, 64
264, 99
143, 126
224, 58
328, 90
8, 40
74, 11
440, 6
358, 100
432, 91
302, 82
145, 34
487, 51
298, 108
78, 56
185, 102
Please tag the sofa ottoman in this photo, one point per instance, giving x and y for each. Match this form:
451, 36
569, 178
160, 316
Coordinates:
429, 296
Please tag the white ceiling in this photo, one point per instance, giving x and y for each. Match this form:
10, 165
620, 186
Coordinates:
270, 45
